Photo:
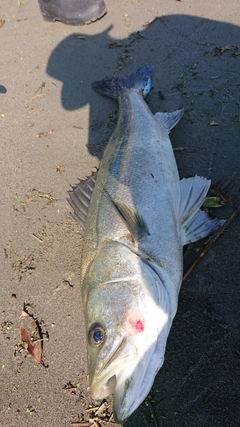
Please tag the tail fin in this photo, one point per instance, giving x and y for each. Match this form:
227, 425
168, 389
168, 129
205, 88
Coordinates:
139, 80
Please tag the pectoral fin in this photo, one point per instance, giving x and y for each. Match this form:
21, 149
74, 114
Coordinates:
132, 219
189, 195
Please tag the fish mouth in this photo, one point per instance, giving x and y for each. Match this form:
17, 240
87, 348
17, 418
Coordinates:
123, 375
106, 389
104, 382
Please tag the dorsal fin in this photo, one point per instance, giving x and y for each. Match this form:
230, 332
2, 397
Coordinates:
79, 198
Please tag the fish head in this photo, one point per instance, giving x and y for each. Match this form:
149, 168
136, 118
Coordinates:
113, 319
127, 330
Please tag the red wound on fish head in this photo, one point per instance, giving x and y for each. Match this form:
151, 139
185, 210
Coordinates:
138, 325
134, 322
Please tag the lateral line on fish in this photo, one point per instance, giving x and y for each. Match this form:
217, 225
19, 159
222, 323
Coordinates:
122, 279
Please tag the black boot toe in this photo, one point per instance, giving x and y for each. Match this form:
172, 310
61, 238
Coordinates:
72, 12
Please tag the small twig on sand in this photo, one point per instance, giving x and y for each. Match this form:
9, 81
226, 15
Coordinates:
213, 239
81, 424
153, 414
37, 238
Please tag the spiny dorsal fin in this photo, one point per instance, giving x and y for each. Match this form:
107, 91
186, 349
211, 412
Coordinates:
79, 198
170, 119
132, 219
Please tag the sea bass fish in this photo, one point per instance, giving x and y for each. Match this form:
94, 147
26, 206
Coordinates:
137, 215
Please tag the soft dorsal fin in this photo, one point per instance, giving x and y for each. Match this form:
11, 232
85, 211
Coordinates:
79, 198
169, 119
189, 195
132, 219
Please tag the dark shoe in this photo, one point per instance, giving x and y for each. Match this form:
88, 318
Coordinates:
73, 12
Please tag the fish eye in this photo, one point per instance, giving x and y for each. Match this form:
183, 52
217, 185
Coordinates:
96, 335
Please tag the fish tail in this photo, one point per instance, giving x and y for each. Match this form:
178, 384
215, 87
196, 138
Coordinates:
139, 80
